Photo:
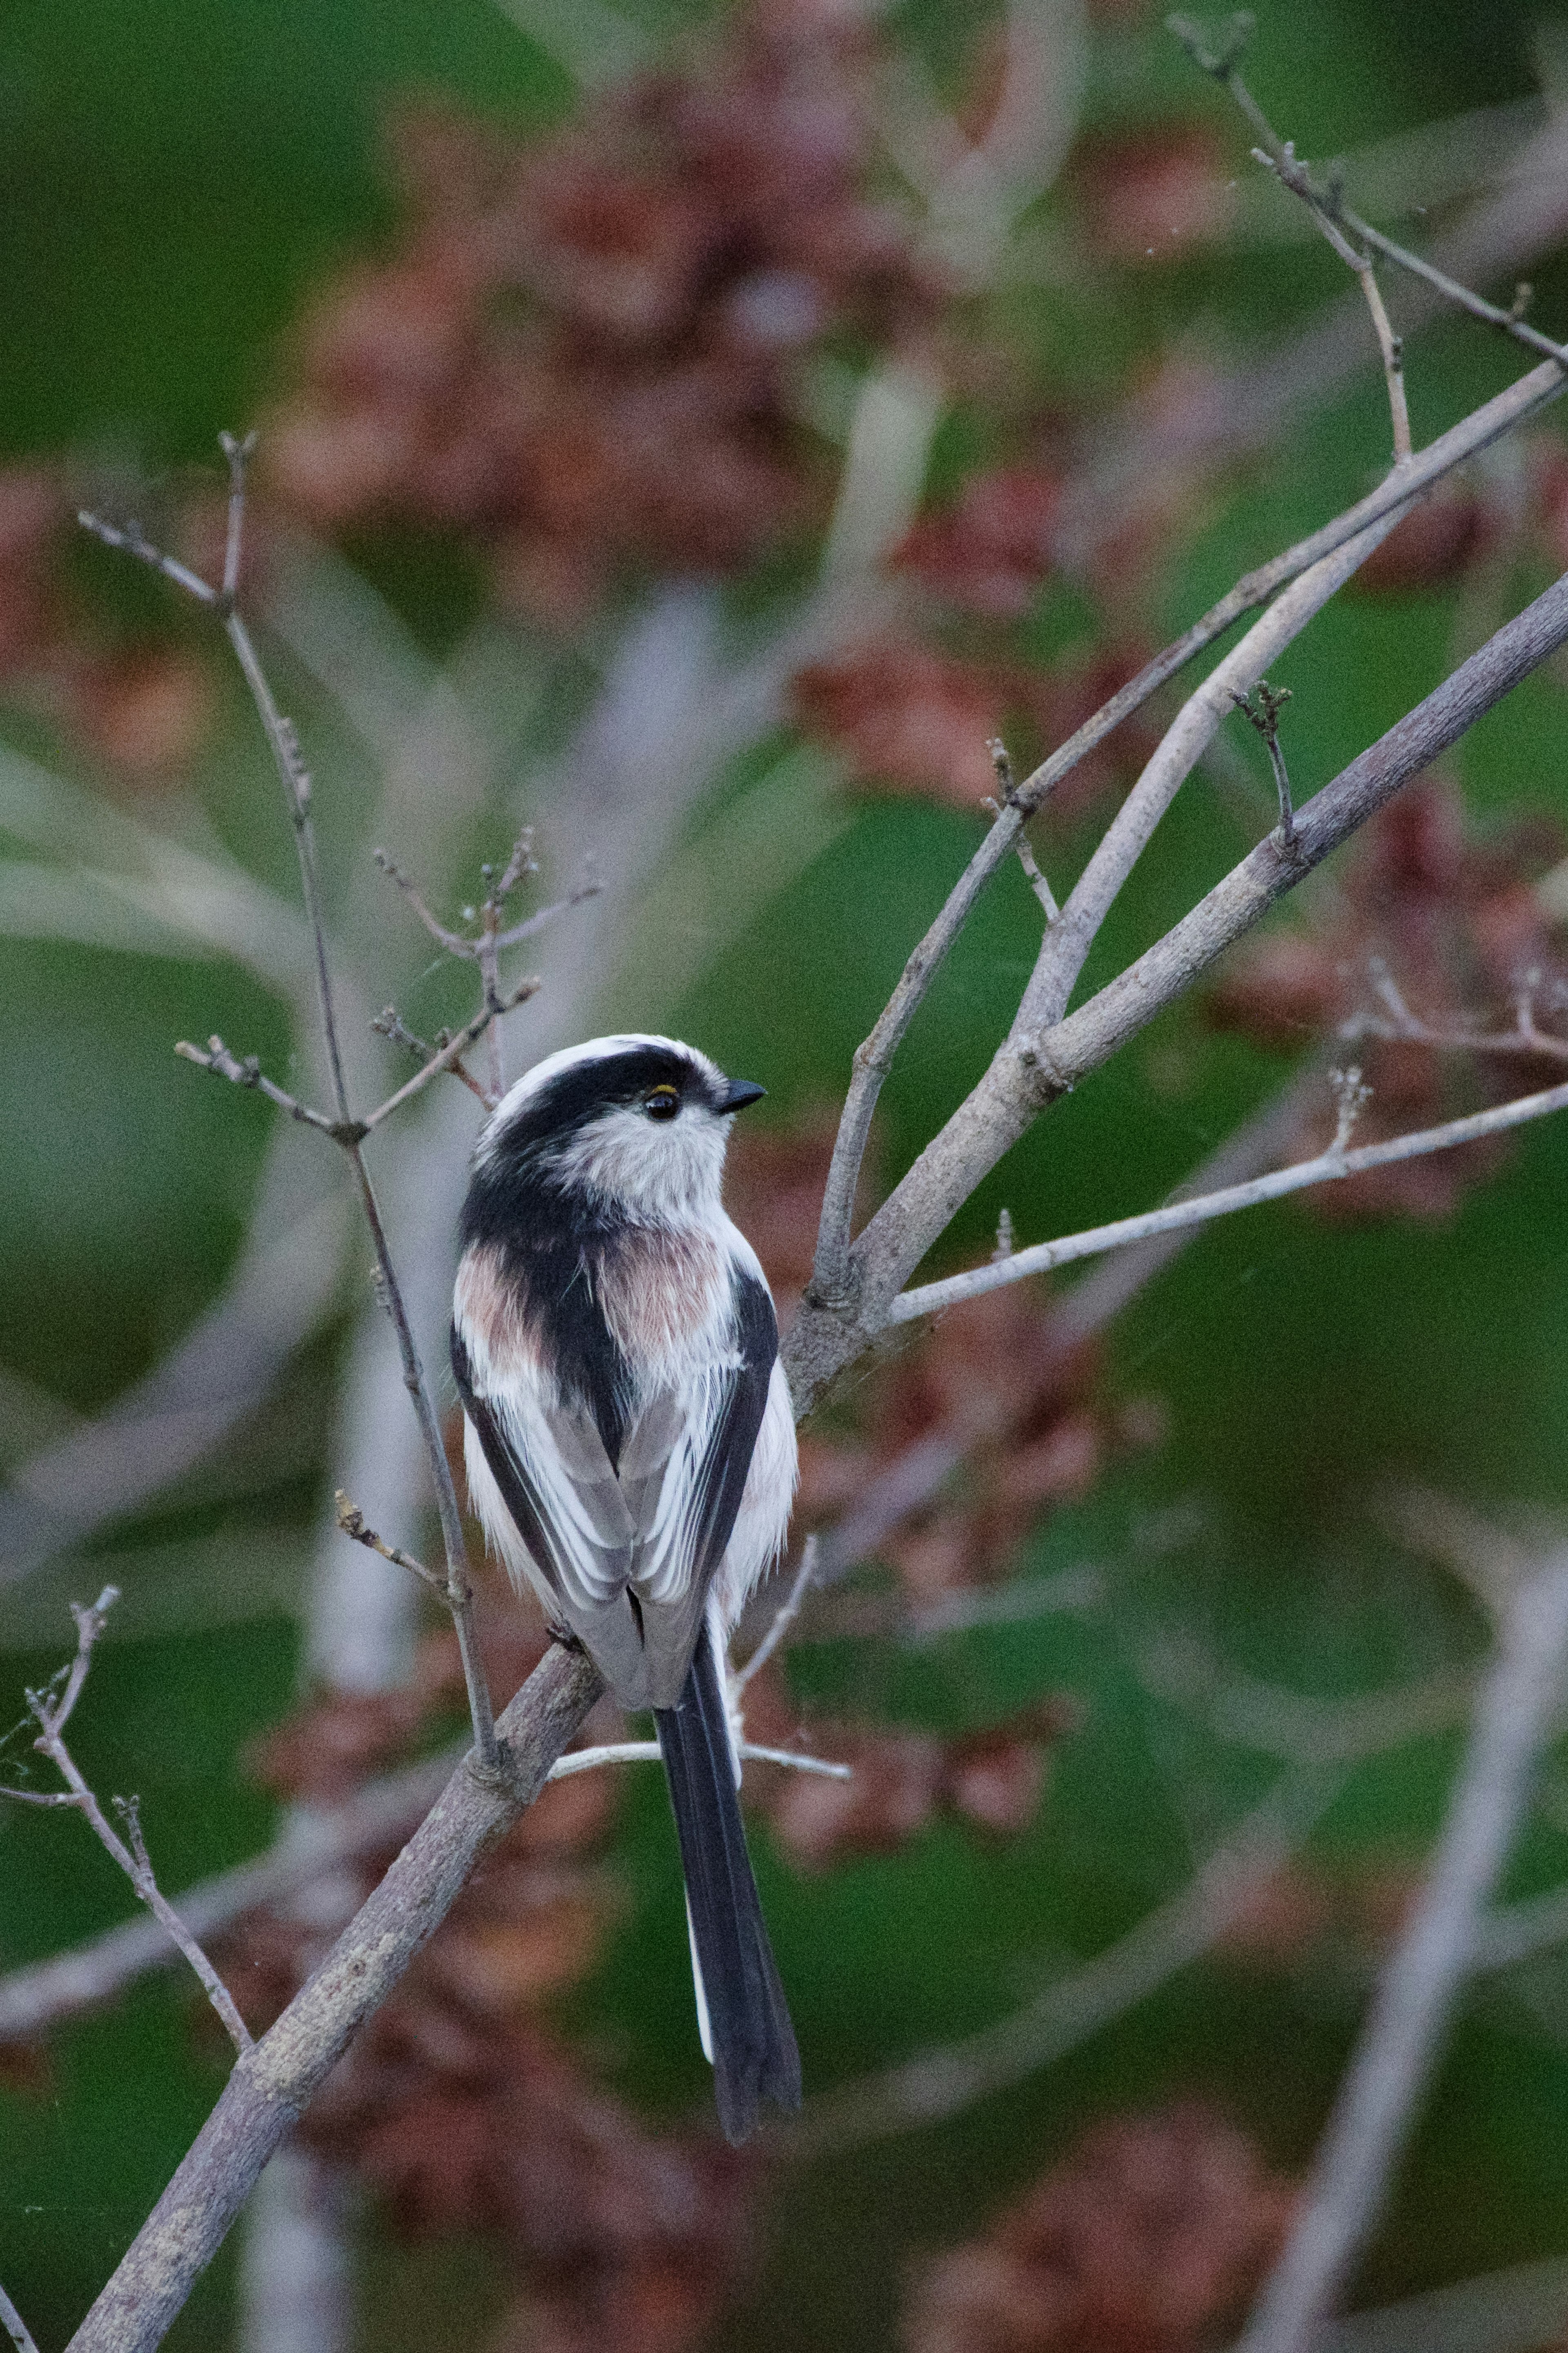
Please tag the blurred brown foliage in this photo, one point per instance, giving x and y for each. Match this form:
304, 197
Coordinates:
140, 707
1151, 2236
902, 1778
1451, 920
585, 354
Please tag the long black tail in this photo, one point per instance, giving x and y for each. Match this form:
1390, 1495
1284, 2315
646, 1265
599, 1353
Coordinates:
752, 2042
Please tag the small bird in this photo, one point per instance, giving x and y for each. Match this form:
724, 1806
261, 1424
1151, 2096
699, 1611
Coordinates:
630, 1450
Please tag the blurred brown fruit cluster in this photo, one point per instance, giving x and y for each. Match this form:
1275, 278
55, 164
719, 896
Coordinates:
1150, 2237
903, 1779
1437, 924
587, 353
140, 707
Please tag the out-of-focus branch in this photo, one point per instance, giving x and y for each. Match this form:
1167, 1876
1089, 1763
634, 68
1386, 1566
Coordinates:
1383, 2087
51, 1710
942, 2083
1512, 2311
834, 1273
273, 2082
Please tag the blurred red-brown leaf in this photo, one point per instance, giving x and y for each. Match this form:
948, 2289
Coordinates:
1148, 2237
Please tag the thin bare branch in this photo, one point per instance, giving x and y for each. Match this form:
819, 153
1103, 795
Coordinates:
346, 1130
589, 888
1329, 1167
247, 1072
52, 1714
131, 539
451, 1054
382, 1813
1383, 2087
456, 944
648, 1751
351, 1521
238, 454
1334, 213
1283, 162
389, 1024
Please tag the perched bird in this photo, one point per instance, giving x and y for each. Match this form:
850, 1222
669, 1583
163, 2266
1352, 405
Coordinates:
631, 1451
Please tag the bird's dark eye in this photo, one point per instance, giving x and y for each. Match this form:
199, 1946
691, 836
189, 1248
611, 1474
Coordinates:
662, 1103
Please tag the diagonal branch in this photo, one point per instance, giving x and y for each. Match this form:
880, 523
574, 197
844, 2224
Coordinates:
15, 2328
834, 1274
273, 2082
1027, 1074
1401, 2040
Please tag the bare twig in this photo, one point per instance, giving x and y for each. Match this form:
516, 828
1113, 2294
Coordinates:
1294, 177
15, 2328
1399, 2044
942, 2083
1333, 214
1027, 859
835, 1273
389, 1024
1329, 1167
381, 1814
344, 1129
648, 1751
351, 1521
1261, 710
247, 1072
448, 1056
52, 1713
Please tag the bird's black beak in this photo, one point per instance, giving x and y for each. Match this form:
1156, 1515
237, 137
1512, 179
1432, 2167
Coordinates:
739, 1093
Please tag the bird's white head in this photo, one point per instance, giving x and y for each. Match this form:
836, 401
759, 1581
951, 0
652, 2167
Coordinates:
635, 1124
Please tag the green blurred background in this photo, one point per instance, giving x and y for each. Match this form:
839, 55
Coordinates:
178, 178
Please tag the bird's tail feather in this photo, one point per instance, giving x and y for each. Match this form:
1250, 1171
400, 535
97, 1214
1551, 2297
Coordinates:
748, 2039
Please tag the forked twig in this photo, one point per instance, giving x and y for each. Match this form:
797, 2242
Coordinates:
836, 1271
52, 1713
343, 1128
